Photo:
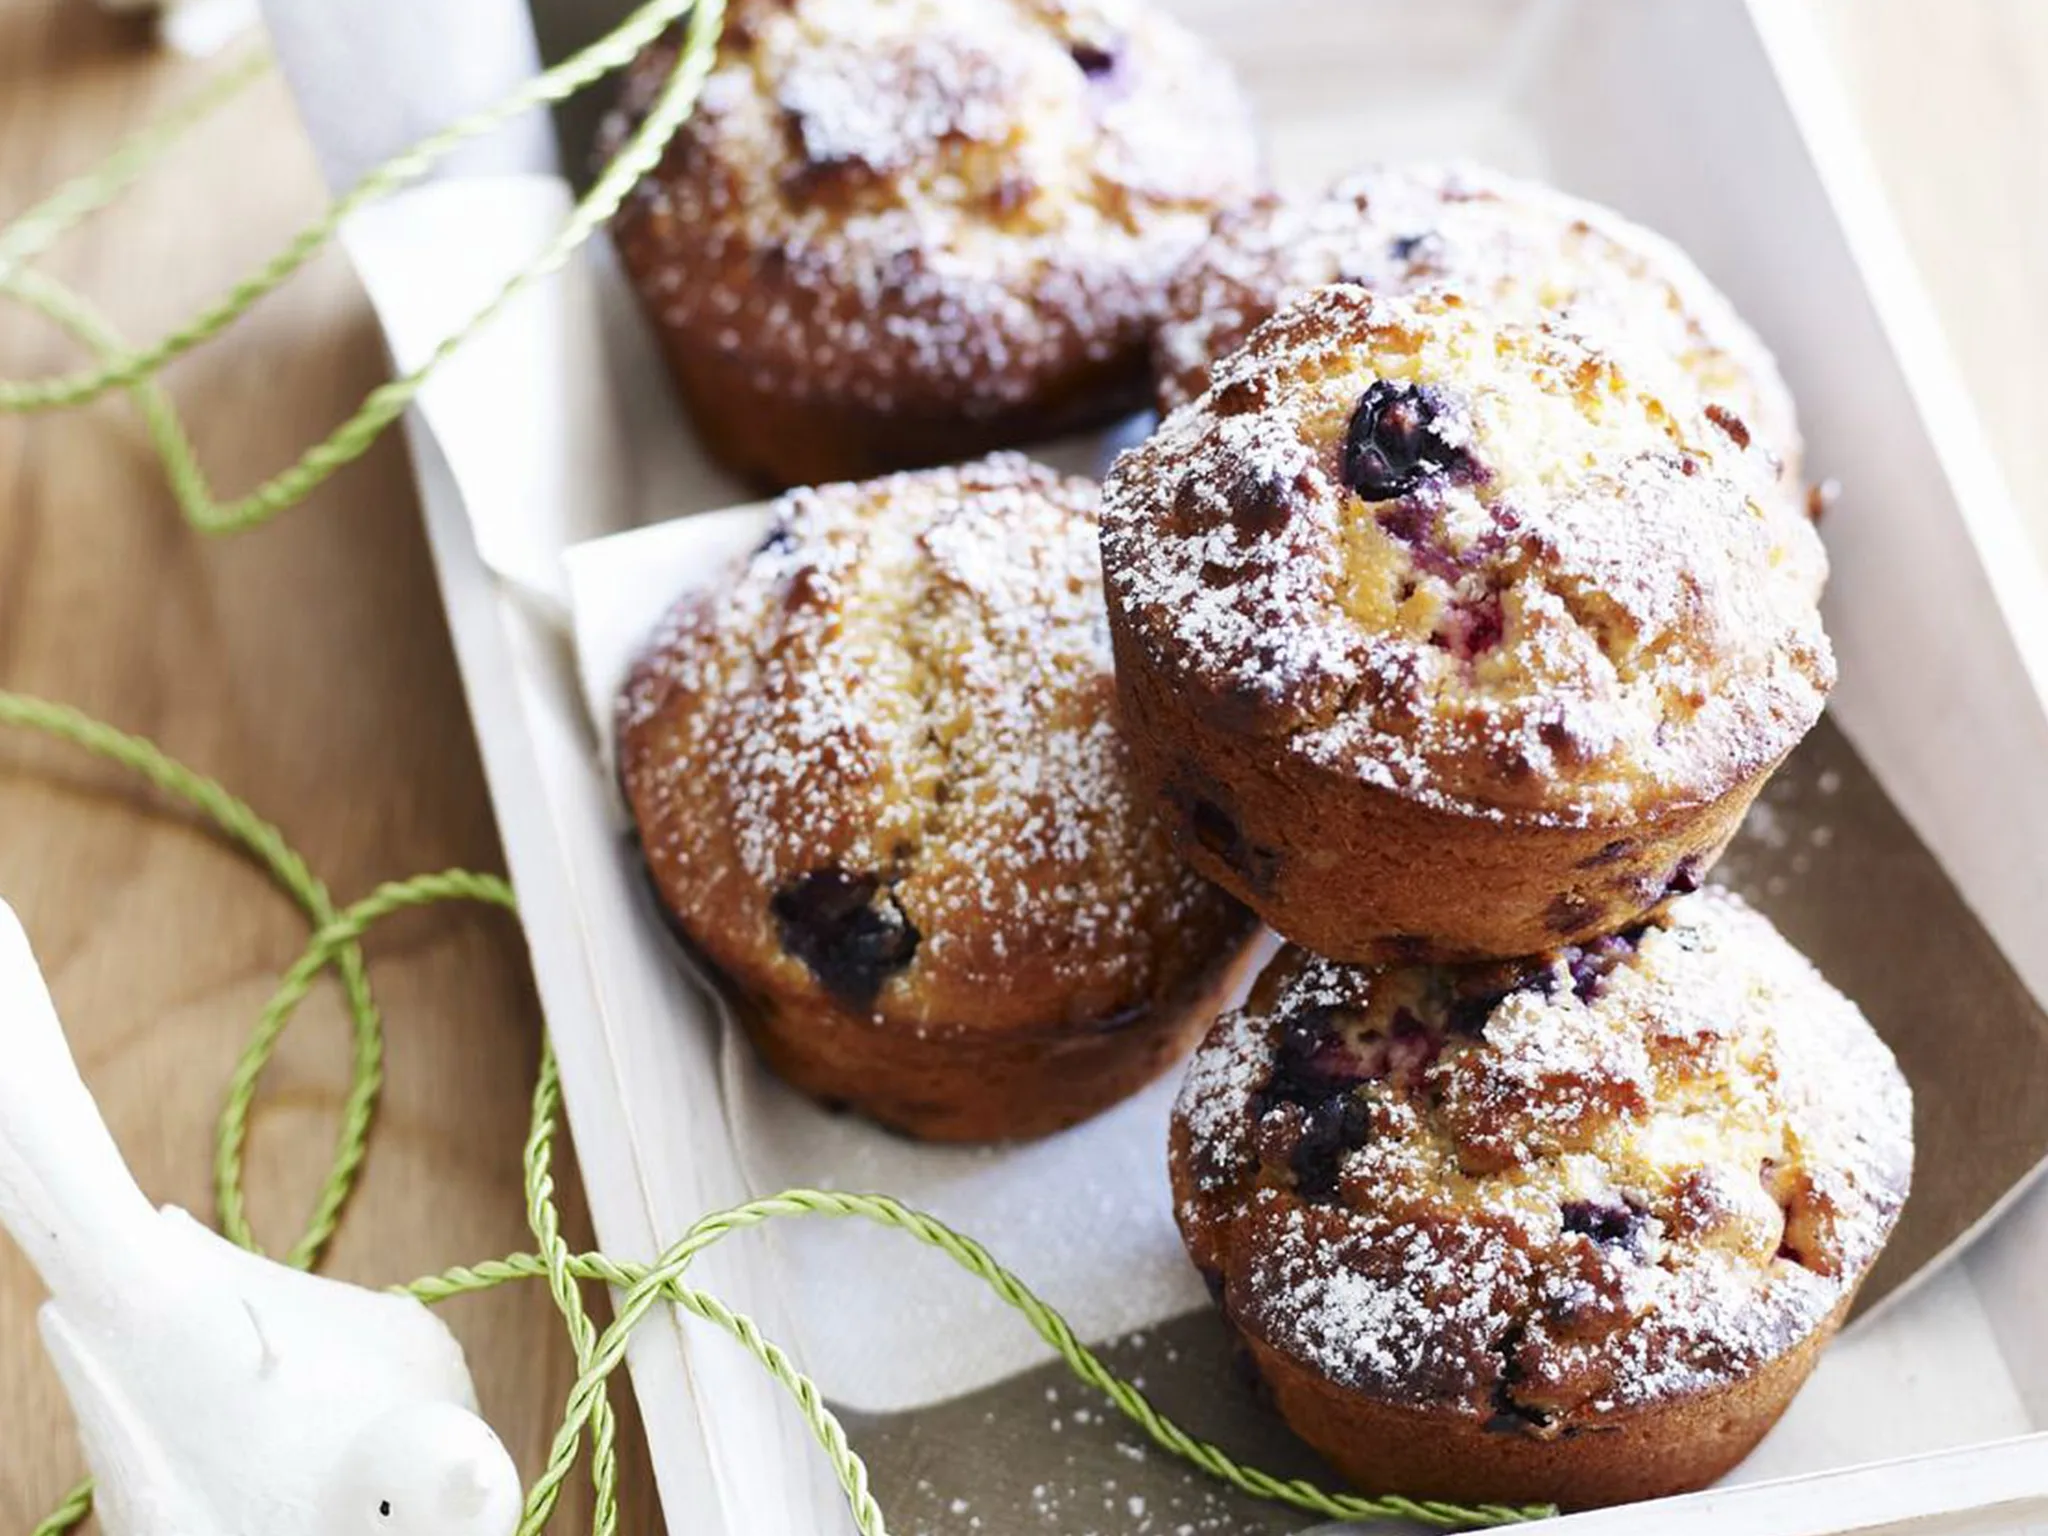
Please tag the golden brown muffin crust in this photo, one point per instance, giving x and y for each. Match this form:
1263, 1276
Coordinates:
1477, 563
879, 768
934, 207
1546, 1195
1507, 245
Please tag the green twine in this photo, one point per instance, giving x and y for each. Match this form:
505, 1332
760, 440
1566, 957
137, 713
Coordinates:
337, 932
121, 368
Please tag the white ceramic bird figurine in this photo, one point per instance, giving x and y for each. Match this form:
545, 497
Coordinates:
217, 1393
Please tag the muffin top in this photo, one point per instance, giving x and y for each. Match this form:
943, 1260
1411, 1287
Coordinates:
1507, 245
1550, 1190
1476, 561
923, 203
879, 765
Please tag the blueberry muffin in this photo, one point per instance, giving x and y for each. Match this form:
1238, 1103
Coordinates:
1571, 1229
902, 232
1446, 636
1509, 246
880, 787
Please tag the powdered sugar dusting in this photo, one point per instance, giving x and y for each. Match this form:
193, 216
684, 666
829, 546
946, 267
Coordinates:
1598, 608
933, 203
910, 681
1516, 246
1587, 1182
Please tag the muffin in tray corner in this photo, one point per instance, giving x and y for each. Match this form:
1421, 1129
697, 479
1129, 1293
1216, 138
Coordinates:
1571, 1229
902, 232
1451, 636
1513, 247
880, 787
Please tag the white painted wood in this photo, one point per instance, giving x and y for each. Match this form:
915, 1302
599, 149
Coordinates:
642, 1092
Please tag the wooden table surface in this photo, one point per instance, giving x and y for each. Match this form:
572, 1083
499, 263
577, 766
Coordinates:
306, 665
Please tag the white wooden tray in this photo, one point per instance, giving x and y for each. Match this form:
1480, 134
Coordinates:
1713, 120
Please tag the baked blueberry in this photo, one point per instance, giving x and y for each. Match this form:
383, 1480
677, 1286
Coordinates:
1588, 964
1095, 60
847, 928
1330, 1128
1604, 1221
1394, 442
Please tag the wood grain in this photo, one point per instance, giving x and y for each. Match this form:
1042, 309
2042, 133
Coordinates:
308, 667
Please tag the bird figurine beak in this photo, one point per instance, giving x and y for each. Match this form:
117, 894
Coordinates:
434, 1469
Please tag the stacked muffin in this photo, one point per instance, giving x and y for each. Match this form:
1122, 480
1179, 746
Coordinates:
1449, 622
1460, 610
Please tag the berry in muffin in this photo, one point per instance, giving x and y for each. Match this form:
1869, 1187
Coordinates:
902, 232
1446, 636
1512, 247
1570, 1229
880, 787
